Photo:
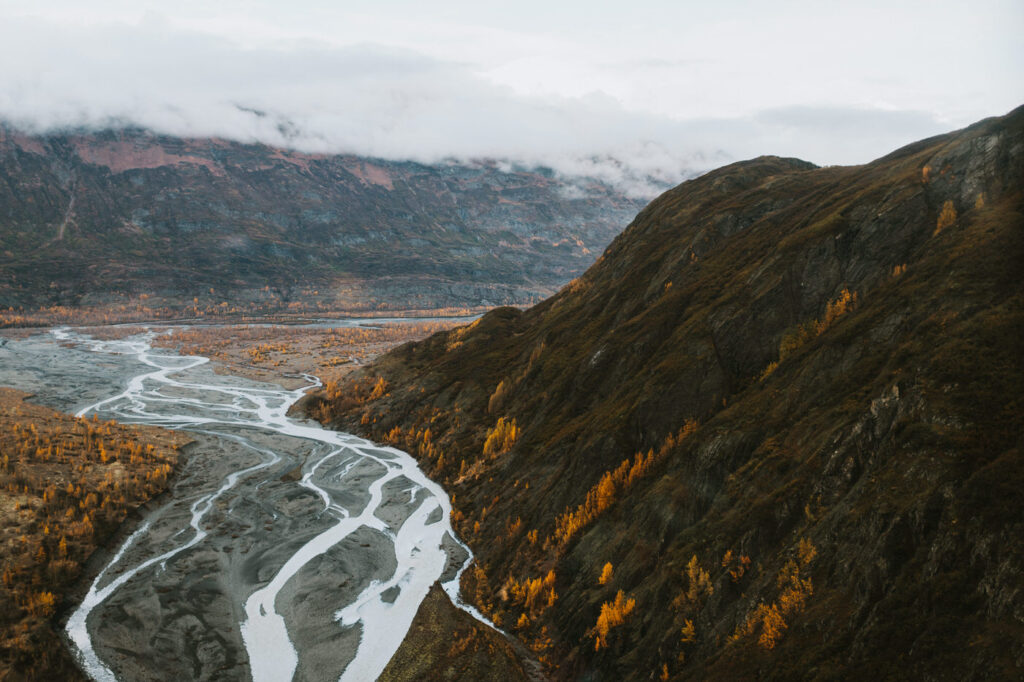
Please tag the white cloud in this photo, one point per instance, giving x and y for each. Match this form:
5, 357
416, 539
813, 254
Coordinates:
366, 99
675, 90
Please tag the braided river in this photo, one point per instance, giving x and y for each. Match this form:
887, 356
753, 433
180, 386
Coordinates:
283, 551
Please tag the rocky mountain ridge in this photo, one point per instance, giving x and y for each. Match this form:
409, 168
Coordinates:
773, 433
92, 218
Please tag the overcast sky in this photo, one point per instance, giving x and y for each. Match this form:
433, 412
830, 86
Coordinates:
660, 86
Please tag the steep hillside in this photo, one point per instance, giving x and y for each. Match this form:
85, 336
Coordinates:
773, 433
94, 218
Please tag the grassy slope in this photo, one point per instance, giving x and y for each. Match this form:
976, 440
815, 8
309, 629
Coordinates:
446, 644
890, 441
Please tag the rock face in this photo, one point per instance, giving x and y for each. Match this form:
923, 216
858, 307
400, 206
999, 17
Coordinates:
784, 405
89, 218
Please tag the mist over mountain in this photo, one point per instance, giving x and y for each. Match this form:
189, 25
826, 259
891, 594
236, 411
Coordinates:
641, 112
367, 100
104, 218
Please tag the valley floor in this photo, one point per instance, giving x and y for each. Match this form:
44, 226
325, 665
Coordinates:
164, 618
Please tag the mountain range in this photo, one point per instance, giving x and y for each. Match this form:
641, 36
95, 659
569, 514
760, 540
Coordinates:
104, 218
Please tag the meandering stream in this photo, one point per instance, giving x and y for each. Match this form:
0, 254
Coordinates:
286, 550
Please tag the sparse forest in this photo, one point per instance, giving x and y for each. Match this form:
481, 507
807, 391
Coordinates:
267, 351
66, 486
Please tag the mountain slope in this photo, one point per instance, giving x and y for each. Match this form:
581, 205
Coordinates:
784, 405
92, 218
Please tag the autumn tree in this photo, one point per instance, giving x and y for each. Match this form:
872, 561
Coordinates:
613, 614
497, 399
794, 591
801, 334
501, 438
379, 389
698, 587
947, 217
613, 483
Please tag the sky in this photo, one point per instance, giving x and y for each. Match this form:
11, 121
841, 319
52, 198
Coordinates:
628, 92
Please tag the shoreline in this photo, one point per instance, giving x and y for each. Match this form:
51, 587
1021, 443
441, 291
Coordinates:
48, 321
101, 556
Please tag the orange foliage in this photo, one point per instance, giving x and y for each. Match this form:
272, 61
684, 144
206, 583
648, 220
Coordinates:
737, 567
688, 633
41, 604
613, 484
379, 389
772, 366
801, 334
795, 590
317, 350
532, 597
698, 586
836, 309
501, 438
65, 485
699, 581
947, 217
613, 614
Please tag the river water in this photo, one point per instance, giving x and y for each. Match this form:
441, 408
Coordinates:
286, 551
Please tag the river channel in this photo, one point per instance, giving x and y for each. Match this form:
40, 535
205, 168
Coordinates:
284, 551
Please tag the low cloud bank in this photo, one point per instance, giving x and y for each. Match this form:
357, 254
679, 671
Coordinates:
398, 104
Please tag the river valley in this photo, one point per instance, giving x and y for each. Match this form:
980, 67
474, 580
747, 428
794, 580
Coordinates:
284, 551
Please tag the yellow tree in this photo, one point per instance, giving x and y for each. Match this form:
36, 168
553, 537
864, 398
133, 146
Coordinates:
946, 218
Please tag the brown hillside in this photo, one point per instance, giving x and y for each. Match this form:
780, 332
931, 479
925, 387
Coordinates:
785, 405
